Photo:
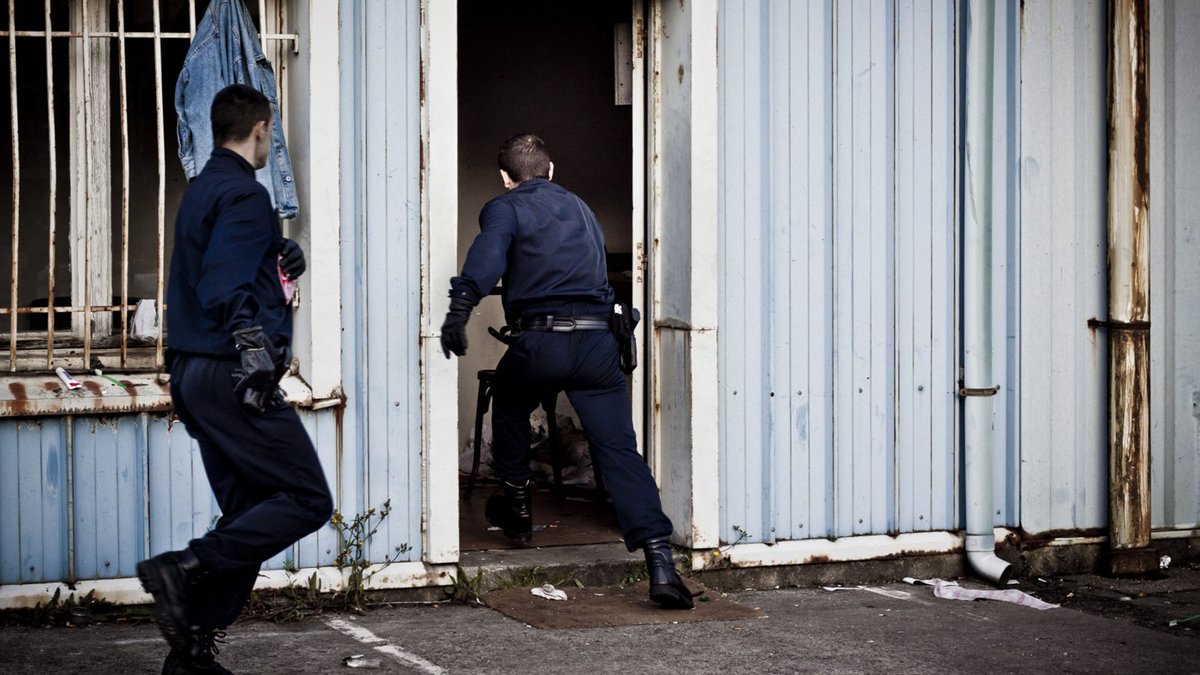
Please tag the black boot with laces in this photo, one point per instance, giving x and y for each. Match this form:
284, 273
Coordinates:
511, 510
201, 659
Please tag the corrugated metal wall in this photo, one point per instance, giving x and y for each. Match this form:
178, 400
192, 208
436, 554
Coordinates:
1175, 263
88, 497
1064, 364
838, 268
381, 263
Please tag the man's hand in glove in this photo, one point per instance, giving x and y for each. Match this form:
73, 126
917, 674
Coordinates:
256, 380
291, 259
454, 328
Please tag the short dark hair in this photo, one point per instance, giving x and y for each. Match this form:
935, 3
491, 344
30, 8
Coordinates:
235, 111
523, 157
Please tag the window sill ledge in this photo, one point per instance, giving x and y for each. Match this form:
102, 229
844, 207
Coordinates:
42, 395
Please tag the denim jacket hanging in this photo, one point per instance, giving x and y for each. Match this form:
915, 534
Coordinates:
226, 51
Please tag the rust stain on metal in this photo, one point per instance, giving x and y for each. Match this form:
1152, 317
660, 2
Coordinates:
51, 386
93, 387
818, 558
1128, 270
1028, 541
1139, 29
17, 390
1129, 458
639, 44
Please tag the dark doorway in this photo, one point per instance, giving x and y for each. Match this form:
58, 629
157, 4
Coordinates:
550, 68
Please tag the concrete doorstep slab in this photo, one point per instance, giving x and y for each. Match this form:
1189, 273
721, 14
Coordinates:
590, 565
606, 606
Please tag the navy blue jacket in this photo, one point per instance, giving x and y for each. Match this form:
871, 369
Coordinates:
224, 267
545, 244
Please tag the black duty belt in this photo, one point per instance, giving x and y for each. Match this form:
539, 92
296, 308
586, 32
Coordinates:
563, 324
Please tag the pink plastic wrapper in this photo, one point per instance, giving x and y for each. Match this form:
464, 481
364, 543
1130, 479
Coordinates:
286, 282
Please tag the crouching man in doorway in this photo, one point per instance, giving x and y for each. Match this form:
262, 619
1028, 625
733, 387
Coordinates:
546, 245
230, 329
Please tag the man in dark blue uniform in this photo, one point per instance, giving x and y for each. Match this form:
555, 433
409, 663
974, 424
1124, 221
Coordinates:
230, 329
546, 245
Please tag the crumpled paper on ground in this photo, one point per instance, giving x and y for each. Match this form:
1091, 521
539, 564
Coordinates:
549, 592
950, 590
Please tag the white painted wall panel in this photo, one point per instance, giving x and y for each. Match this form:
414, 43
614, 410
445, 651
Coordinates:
1064, 364
1175, 263
837, 258
138, 488
381, 263
33, 497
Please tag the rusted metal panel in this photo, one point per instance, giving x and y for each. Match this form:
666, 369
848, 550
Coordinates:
46, 395
22, 396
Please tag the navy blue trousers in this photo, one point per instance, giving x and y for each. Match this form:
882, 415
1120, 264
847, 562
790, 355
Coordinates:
583, 364
265, 475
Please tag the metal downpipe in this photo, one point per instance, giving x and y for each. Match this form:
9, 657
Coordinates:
978, 390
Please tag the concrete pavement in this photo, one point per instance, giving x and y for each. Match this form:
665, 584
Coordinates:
805, 630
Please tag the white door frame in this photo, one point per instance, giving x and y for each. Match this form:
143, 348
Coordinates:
682, 195
439, 245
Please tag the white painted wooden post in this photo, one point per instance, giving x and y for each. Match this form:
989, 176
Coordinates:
316, 153
439, 208
683, 196
638, 100
91, 167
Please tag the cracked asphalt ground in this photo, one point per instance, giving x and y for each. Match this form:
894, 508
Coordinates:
1103, 626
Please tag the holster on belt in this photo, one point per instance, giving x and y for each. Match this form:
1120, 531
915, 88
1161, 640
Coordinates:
506, 334
623, 320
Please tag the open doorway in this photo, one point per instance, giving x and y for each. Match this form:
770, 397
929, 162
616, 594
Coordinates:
562, 71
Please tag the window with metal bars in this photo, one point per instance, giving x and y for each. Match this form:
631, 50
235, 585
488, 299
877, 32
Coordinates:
90, 167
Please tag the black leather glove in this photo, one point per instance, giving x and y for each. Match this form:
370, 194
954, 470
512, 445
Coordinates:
256, 380
454, 328
292, 261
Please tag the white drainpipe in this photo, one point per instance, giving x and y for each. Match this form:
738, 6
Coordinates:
978, 387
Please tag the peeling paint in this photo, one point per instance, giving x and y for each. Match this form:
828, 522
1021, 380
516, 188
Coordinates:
1128, 271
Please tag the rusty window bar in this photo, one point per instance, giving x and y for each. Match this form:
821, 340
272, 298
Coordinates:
87, 188
16, 180
162, 187
86, 35
276, 37
124, 183
53, 203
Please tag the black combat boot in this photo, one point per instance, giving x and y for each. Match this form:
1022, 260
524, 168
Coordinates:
666, 587
511, 510
201, 659
169, 577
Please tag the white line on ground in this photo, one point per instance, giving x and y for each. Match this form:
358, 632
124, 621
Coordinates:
365, 636
231, 638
